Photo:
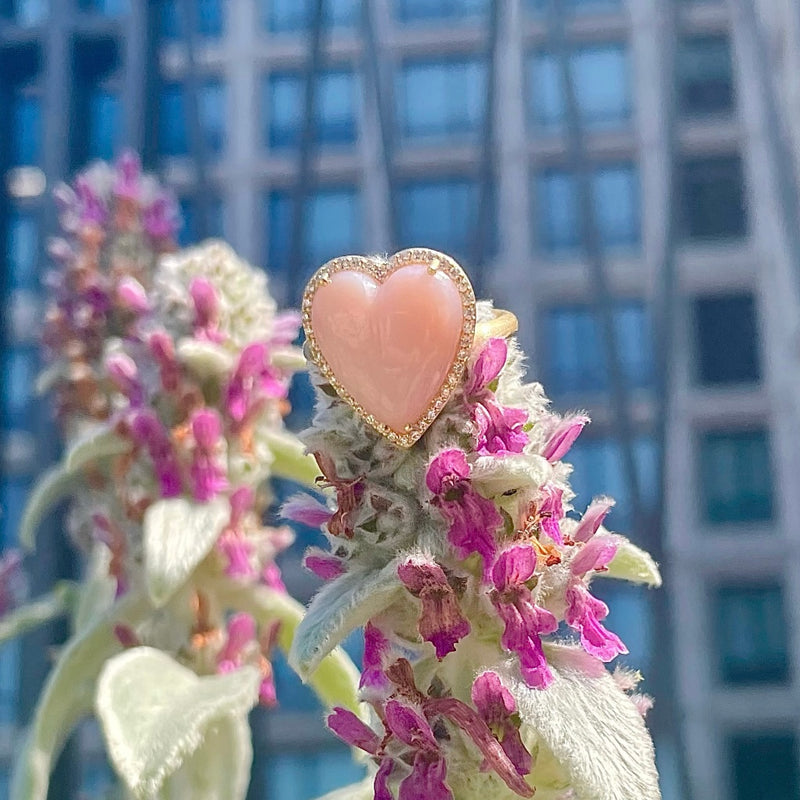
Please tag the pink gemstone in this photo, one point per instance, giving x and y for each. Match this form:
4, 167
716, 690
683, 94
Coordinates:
390, 345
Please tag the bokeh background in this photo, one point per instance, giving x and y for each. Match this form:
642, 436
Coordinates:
622, 174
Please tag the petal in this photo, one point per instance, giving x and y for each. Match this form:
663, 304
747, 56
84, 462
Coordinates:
410, 727
449, 465
351, 730
425, 781
564, 436
592, 519
514, 566
487, 366
595, 554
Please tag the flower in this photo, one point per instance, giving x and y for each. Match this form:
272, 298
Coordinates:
441, 622
207, 472
473, 519
584, 613
564, 436
149, 432
524, 621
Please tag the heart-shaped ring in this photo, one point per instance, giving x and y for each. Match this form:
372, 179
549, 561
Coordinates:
391, 337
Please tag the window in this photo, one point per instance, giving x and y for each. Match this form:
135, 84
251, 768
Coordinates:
172, 121
455, 10
727, 340
211, 107
599, 470
713, 198
103, 123
602, 87
22, 255
111, 8
20, 367
575, 357
705, 81
335, 98
9, 680
616, 201
190, 232
441, 214
441, 99
751, 634
736, 476
764, 764
26, 129
294, 16
207, 14
28, 13
332, 228
540, 7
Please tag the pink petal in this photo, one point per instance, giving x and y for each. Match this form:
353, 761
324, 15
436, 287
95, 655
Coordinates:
592, 519
564, 436
487, 366
350, 729
410, 727
595, 554
307, 510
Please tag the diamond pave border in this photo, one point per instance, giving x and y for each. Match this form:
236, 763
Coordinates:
380, 271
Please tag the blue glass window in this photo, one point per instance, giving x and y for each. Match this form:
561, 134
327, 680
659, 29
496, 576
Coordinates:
104, 119
712, 198
705, 75
441, 214
751, 630
212, 109
209, 18
616, 202
190, 232
294, 16
727, 339
332, 228
111, 8
441, 99
541, 7
22, 255
575, 356
451, 10
764, 761
598, 469
9, 681
20, 367
28, 13
602, 87
26, 129
335, 100
173, 137
737, 477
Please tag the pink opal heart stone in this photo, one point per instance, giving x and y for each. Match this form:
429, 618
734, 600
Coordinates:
391, 345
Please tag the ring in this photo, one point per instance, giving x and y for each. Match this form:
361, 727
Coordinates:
502, 325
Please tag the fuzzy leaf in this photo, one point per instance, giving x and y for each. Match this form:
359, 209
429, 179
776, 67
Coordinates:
178, 535
335, 680
67, 696
631, 563
590, 727
97, 591
219, 769
97, 443
345, 604
156, 713
48, 607
291, 460
494, 476
205, 359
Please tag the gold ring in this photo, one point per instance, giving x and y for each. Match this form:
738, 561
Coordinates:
502, 325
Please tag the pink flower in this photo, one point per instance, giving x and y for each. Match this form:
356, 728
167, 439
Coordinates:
349, 728
564, 436
551, 512
427, 779
285, 328
592, 519
253, 380
131, 295
524, 621
91, 206
128, 171
583, 614
233, 544
487, 366
373, 678
595, 555
441, 622
160, 218
473, 519
322, 564
271, 577
497, 707
206, 309
306, 510
207, 472
163, 350
148, 431
124, 375
241, 634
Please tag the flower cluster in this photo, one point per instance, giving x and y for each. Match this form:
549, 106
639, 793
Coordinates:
464, 561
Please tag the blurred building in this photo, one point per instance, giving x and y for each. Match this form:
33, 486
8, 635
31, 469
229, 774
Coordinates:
396, 151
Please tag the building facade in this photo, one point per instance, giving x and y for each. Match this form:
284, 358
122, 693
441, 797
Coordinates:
676, 134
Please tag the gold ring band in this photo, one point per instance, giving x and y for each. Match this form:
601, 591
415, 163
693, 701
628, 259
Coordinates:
502, 325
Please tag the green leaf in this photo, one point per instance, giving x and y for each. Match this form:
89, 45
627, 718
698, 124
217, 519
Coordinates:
178, 535
587, 732
495, 476
67, 696
631, 563
343, 605
205, 359
53, 486
48, 607
97, 590
336, 678
219, 769
98, 443
155, 714
291, 459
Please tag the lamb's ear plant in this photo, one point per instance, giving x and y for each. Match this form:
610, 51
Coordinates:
463, 560
170, 371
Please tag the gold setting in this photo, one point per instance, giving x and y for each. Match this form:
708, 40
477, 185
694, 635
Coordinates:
502, 325
436, 262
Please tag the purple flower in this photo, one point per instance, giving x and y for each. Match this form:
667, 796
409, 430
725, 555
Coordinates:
271, 577
253, 380
595, 555
160, 218
234, 546
131, 295
497, 707
441, 622
306, 510
583, 614
551, 512
148, 431
373, 678
127, 184
322, 564
206, 309
592, 519
207, 472
350, 729
163, 350
564, 436
473, 519
91, 205
426, 780
285, 328
524, 621
124, 375
241, 634
487, 366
